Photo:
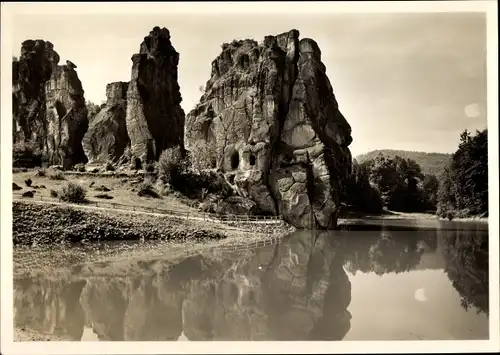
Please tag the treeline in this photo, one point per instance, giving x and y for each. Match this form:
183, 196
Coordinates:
398, 184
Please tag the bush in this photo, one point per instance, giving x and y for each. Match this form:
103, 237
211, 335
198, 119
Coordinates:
146, 189
53, 193
28, 182
16, 187
171, 164
164, 188
72, 192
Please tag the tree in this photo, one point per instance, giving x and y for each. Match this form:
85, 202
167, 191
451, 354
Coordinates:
92, 110
203, 155
171, 164
465, 183
360, 194
430, 188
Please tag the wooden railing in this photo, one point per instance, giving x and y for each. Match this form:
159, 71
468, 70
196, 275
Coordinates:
181, 214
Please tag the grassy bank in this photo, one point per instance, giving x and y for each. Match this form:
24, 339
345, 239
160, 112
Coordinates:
44, 224
121, 189
39, 224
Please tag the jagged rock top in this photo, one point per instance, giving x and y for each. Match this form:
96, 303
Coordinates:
116, 91
157, 44
37, 48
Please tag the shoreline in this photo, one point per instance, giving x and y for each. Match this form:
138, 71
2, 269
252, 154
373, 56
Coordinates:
392, 215
38, 224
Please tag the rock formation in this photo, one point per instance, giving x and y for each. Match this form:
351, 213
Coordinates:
271, 111
67, 119
155, 119
49, 110
107, 137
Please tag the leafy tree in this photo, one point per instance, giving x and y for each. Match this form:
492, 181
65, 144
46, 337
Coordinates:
464, 189
92, 109
430, 189
360, 194
203, 155
399, 180
171, 164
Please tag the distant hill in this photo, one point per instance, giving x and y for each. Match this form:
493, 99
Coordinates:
431, 163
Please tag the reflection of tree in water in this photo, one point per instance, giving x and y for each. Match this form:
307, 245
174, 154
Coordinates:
466, 256
385, 250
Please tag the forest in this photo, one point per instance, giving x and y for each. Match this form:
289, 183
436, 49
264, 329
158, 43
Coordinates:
397, 183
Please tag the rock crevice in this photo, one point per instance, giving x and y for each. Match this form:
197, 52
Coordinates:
107, 136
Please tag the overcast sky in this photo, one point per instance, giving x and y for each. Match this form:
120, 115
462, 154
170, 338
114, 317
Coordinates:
403, 81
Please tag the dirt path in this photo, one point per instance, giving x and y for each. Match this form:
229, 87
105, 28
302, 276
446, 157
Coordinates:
185, 216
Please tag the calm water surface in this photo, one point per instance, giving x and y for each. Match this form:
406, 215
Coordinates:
397, 280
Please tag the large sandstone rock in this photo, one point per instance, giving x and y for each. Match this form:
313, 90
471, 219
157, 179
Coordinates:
30, 72
280, 137
49, 110
154, 119
67, 119
107, 137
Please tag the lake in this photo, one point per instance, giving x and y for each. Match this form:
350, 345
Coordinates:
378, 280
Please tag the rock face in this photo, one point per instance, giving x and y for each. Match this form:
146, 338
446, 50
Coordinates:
154, 119
49, 110
67, 119
107, 137
29, 74
280, 137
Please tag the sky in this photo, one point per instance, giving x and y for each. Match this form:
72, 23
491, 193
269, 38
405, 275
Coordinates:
409, 81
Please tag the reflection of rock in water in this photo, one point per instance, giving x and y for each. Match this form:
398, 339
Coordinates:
154, 312
297, 290
105, 303
51, 307
466, 256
